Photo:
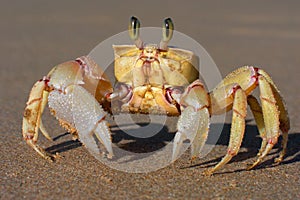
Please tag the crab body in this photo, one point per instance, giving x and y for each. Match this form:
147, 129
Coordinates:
147, 77
155, 79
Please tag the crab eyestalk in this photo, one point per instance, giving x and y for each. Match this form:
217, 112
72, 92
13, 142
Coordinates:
167, 32
134, 32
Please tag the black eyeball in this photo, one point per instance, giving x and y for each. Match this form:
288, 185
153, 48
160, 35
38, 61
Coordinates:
168, 28
134, 28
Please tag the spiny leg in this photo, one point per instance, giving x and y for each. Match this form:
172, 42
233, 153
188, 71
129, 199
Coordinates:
283, 115
258, 116
237, 129
32, 118
271, 117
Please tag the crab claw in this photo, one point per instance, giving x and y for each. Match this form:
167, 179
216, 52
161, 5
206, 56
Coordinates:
193, 123
89, 119
78, 110
69, 89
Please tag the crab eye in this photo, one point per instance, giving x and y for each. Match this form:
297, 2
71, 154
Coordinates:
168, 28
134, 26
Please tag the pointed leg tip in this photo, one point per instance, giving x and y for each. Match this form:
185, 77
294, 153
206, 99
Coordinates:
278, 160
110, 155
51, 157
281, 156
56, 157
174, 156
208, 172
259, 154
252, 166
50, 139
173, 159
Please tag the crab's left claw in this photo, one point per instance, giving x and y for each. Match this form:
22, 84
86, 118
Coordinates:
193, 123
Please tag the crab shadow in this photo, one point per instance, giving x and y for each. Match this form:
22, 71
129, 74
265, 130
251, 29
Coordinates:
63, 146
251, 142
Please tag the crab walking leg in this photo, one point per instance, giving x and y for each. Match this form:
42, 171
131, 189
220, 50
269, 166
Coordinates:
271, 117
43, 105
284, 124
89, 119
284, 147
258, 116
283, 115
237, 128
32, 118
193, 123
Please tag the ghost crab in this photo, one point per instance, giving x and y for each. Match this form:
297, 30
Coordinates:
158, 80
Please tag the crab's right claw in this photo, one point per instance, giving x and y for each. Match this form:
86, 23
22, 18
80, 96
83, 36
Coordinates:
193, 123
89, 119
